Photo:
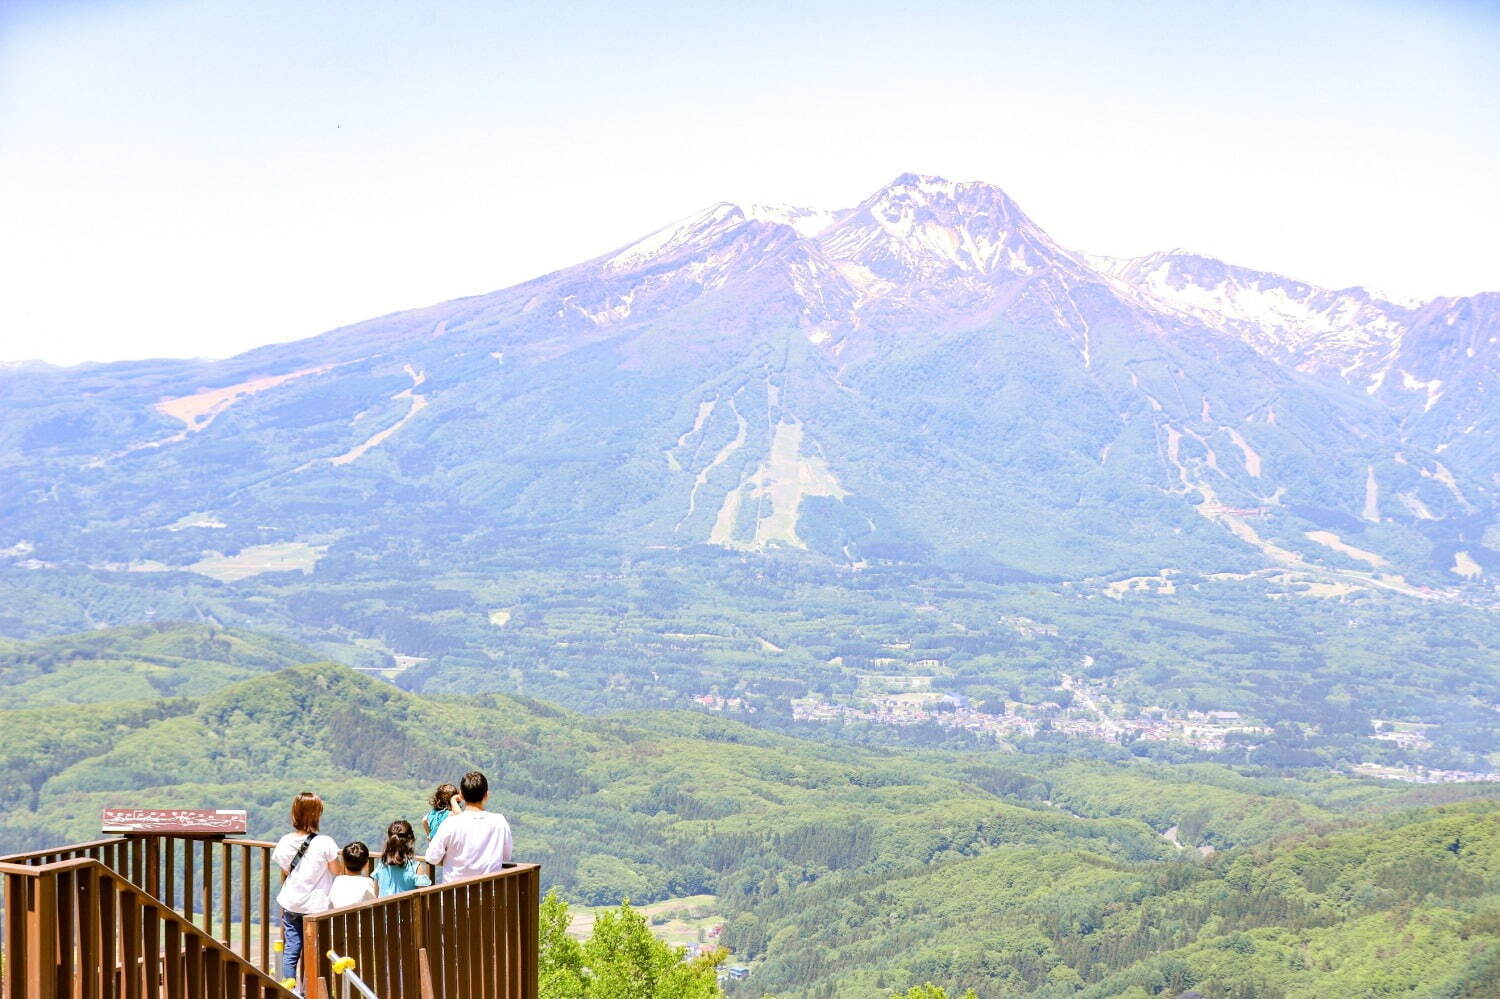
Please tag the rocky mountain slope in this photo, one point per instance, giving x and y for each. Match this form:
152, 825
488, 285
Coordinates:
925, 376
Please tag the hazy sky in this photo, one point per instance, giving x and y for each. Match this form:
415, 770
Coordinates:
196, 178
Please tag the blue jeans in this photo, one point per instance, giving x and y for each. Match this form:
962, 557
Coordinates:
291, 940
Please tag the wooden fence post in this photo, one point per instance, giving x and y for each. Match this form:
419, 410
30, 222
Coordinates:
41, 930
16, 890
311, 954
424, 974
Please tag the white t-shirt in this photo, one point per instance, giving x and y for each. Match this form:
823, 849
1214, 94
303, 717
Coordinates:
470, 843
351, 889
305, 889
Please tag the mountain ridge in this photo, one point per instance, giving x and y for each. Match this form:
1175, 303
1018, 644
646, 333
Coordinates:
926, 359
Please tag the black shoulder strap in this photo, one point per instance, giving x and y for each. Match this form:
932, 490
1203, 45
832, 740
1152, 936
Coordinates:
300, 851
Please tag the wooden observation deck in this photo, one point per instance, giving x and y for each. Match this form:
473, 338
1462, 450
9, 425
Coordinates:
189, 915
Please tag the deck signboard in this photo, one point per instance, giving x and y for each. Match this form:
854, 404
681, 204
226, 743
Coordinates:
176, 821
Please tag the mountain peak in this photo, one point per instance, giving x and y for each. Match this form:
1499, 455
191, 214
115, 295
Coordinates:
694, 230
927, 188
922, 181
921, 226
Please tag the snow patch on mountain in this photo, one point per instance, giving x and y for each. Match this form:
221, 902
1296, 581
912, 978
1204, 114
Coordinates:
1433, 387
664, 242
809, 222
708, 227
1314, 328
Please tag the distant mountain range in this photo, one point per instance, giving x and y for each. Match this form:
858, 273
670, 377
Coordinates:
925, 377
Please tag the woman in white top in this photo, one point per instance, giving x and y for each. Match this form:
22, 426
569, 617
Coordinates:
308, 865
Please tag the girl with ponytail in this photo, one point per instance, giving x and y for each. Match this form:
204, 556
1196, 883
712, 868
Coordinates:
399, 869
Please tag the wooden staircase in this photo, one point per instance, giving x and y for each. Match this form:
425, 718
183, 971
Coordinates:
78, 928
181, 917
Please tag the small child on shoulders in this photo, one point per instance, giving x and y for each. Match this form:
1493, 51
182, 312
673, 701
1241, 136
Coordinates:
445, 801
354, 885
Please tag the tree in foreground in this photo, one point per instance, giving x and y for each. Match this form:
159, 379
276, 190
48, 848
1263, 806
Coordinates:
930, 991
620, 960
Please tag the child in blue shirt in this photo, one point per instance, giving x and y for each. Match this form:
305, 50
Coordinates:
445, 801
399, 869
442, 807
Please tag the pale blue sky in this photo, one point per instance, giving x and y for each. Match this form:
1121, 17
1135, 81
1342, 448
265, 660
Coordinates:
196, 178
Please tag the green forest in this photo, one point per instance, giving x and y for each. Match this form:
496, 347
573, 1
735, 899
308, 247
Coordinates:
841, 869
660, 629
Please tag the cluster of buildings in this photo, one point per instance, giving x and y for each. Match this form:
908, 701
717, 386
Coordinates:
1406, 737
1090, 713
1205, 730
1027, 628
726, 972
946, 710
714, 702
1425, 775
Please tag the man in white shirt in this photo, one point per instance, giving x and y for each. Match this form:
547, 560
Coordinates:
473, 842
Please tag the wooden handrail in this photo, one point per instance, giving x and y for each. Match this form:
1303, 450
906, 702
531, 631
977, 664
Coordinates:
479, 936
223, 885
78, 927
64, 852
121, 918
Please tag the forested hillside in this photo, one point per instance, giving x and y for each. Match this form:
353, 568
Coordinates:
844, 871
1327, 676
1408, 906
140, 662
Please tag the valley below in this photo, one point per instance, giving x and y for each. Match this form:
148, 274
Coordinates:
823, 866
888, 595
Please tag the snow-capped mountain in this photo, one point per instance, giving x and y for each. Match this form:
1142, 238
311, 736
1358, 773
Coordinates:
952, 253
1311, 328
922, 228
916, 229
924, 242
927, 374
1433, 364
920, 244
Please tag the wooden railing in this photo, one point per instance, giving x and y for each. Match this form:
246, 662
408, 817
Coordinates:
475, 939
77, 927
151, 916
223, 886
